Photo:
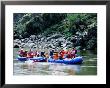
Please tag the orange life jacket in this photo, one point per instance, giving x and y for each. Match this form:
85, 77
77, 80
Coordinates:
55, 56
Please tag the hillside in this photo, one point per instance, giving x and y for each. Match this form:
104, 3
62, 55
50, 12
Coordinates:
55, 30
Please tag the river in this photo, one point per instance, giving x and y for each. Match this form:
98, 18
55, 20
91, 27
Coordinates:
89, 66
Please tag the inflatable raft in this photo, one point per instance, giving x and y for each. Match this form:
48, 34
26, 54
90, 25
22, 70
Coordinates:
77, 60
35, 59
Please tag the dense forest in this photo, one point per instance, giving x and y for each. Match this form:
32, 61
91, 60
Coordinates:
54, 30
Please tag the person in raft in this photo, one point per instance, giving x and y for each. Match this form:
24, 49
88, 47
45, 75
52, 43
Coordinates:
62, 53
55, 56
51, 53
25, 53
21, 52
42, 54
69, 54
73, 53
36, 54
60, 56
30, 54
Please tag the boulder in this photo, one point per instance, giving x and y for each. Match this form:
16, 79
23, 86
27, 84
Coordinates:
17, 41
22, 40
55, 36
16, 46
30, 41
31, 44
32, 36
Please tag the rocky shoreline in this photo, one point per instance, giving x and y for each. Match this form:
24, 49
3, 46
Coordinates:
43, 42
55, 41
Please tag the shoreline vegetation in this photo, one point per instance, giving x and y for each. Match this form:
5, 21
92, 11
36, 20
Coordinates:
55, 30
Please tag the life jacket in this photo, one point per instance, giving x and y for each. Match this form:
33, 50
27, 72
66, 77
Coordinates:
21, 53
55, 56
36, 53
69, 54
72, 53
62, 53
30, 54
25, 54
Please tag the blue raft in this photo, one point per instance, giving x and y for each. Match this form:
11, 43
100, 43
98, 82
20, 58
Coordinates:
35, 59
77, 60
22, 58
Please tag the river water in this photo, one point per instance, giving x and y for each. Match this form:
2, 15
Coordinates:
89, 66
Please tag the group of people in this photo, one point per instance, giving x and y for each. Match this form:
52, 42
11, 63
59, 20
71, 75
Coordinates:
62, 54
30, 53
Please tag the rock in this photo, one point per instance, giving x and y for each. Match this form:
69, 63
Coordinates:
17, 41
22, 40
50, 46
26, 39
58, 44
16, 46
22, 44
64, 44
42, 39
69, 45
55, 36
68, 39
30, 41
39, 36
61, 39
33, 36
26, 45
35, 46
31, 44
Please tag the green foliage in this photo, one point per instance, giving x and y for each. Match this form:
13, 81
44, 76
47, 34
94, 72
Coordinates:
68, 24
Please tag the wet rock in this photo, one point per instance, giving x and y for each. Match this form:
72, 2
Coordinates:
22, 44
16, 46
42, 39
61, 39
50, 45
30, 41
33, 36
17, 41
55, 36
22, 40
31, 44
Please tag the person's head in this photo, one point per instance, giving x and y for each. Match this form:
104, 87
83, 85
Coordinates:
22, 50
65, 48
26, 51
52, 50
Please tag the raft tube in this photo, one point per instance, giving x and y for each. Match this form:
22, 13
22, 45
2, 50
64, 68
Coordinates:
22, 58
35, 59
77, 60
38, 59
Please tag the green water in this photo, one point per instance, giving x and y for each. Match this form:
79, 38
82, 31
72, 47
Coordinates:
89, 66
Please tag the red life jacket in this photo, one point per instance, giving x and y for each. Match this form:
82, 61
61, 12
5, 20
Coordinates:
30, 54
